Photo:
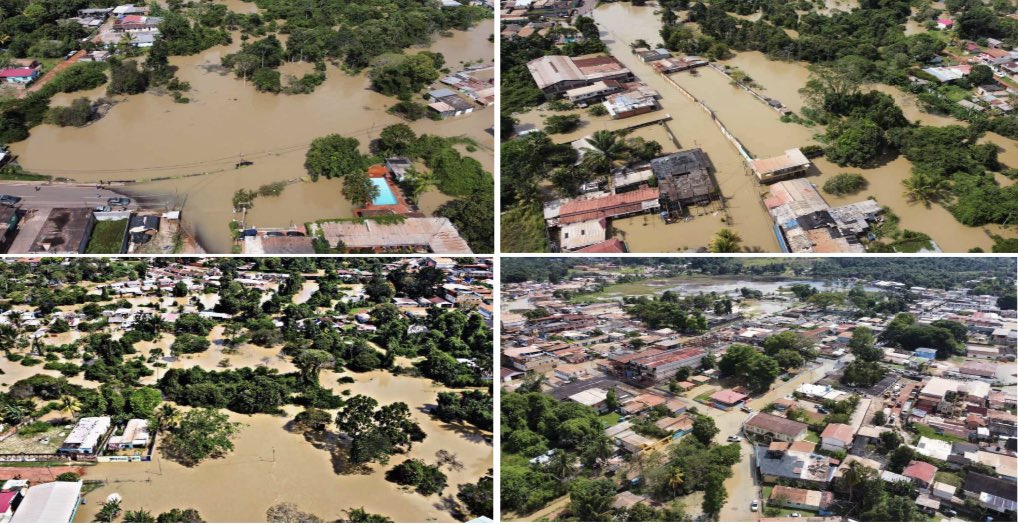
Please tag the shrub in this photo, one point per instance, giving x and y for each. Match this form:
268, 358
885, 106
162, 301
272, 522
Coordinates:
845, 183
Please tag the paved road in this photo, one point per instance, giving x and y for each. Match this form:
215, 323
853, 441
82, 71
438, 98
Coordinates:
46, 196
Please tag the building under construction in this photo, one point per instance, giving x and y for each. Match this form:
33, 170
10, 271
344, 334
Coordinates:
685, 179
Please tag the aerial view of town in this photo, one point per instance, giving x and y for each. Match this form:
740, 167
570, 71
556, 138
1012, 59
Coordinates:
807, 126
246, 126
287, 390
758, 389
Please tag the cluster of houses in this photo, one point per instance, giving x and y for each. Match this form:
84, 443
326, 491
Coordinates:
993, 96
594, 79
805, 223
583, 351
467, 89
680, 180
127, 23
520, 12
58, 231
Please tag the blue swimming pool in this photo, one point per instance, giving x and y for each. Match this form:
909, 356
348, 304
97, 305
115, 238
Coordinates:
385, 196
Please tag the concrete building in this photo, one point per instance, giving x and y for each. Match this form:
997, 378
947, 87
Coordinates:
55, 502
794, 461
135, 435
556, 74
768, 427
86, 435
790, 164
804, 499
837, 437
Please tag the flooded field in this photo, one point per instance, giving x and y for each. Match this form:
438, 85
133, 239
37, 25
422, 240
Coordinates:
621, 25
148, 136
271, 465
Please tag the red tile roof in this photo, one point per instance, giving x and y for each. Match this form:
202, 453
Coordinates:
839, 431
601, 207
728, 397
16, 72
920, 470
609, 246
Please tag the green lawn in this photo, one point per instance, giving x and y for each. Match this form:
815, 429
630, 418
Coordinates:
610, 419
705, 397
929, 432
107, 237
812, 437
950, 478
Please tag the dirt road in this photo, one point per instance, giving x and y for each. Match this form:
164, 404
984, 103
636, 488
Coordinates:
51, 74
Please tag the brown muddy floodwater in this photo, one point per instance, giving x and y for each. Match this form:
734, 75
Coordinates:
271, 465
148, 136
761, 131
623, 24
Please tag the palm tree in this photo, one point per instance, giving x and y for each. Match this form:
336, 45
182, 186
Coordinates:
166, 416
562, 465
70, 405
725, 241
109, 511
418, 182
855, 475
598, 452
606, 150
924, 188
676, 477
12, 413
8, 335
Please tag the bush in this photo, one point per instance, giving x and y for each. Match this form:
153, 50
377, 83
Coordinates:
77, 114
561, 123
426, 479
845, 183
189, 344
409, 110
266, 79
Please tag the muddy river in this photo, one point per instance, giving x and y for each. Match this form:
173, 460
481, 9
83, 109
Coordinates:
763, 134
198, 144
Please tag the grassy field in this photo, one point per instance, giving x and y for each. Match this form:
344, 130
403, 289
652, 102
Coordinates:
523, 230
107, 237
929, 432
610, 419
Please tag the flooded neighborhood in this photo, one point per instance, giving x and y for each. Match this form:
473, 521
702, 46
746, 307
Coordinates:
749, 114
321, 380
194, 157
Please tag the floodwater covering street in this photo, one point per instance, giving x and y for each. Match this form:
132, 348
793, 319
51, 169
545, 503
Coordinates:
761, 131
197, 146
621, 25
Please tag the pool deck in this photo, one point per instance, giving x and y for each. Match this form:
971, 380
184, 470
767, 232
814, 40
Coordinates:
402, 207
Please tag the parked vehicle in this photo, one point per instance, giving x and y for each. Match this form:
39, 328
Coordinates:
9, 200
119, 201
